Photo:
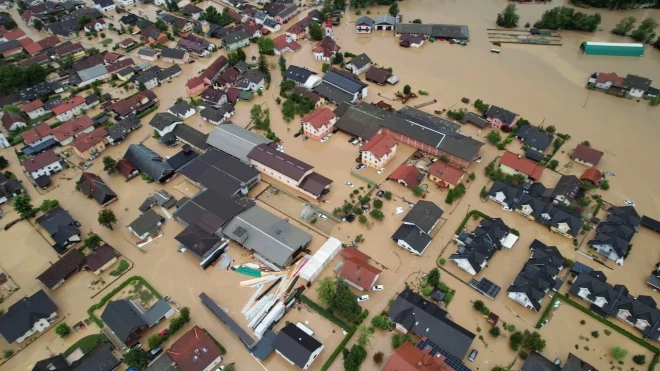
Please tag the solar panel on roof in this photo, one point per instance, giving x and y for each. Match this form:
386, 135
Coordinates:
450, 360
486, 287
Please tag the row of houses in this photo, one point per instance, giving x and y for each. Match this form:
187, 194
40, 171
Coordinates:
631, 86
219, 75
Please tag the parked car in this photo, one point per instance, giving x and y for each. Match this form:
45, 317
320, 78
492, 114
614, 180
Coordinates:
506, 208
324, 139
323, 216
360, 166
349, 184
363, 298
280, 148
629, 203
479, 159
350, 140
153, 353
137, 345
379, 288
557, 362
381, 170
305, 138
88, 165
349, 218
473, 355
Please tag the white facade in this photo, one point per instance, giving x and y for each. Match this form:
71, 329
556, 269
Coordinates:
126, 2
47, 170
168, 129
605, 85
369, 159
358, 71
151, 83
277, 175
404, 245
36, 113
39, 326
70, 139
608, 251
106, 8
522, 299
584, 294
319, 56
17, 125
3, 141
189, 113
635, 93
75, 111
465, 265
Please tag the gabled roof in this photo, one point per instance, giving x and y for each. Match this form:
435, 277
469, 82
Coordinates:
380, 145
210, 211
534, 137
61, 269
148, 162
378, 75
235, 140
445, 172
146, 223
38, 132
360, 273
92, 185
408, 174
280, 162
197, 240
587, 154
425, 215
162, 120
188, 350
219, 172
365, 20
347, 83
22, 315
172, 53
567, 186
593, 175
385, 19
55, 363
360, 61
218, 65
507, 117
191, 136
122, 317
636, 82
319, 117
408, 357
296, 345
72, 127
522, 164
327, 46
39, 161
612, 77
413, 236
100, 257
86, 141
10, 118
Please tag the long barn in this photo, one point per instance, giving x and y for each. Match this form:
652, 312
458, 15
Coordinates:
613, 49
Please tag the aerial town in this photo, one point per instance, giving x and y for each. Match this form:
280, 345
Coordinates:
395, 185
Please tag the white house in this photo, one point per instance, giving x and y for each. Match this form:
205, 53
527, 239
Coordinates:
364, 25
97, 25
182, 109
164, 122
12, 121
69, 109
378, 151
27, 317
34, 109
359, 64
104, 5
126, 2
45, 163
297, 345
636, 86
252, 80
3, 141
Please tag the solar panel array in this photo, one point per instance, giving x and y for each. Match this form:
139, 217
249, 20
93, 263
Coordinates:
486, 287
450, 360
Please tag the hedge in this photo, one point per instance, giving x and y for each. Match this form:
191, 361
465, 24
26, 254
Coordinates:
614, 327
599, 204
343, 343
147, 111
546, 313
325, 313
654, 361
112, 293
467, 217
222, 349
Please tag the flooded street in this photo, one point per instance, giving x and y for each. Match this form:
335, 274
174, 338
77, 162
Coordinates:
544, 84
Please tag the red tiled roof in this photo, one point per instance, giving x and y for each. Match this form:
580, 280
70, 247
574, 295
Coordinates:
408, 358
605, 77
39, 161
281, 42
215, 67
446, 173
320, 117
25, 42
522, 164
36, 133
128, 105
300, 26
70, 104
86, 141
587, 154
194, 82
127, 42
13, 34
50, 41
327, 46
68, 49
360, 273
72, 127
10, 118
380, 145
29, 107
194, 350
115, 67
409, 174
232, 94
33, 48
125, 168
354, 254
38, 59
110, 56
593, 175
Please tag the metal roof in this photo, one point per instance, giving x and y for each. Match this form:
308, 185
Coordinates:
235, 140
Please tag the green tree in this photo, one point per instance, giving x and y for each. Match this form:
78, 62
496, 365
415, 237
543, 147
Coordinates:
324, 67
48, 205
406, 89
478, 305
282, 62
136, 357
110, 165
23, 206
378, 204
494, 137
618, 353
92, 241
161, 25
394, 9
326, 290
639, 359
353, 358
107, 218
605, 185
315, 31
377, 214
624, 27
345, 302
553, 164
62, 329
12, 108
263, 66
266, 46
82, 21
365, 334
418, 191
495, 331
433, 278
362, 219
646, 31
500, 368
508, 18
518, 179
515, 340
533, 341
172, 5
565, 18
339, 4
38, 24
288, 110
141, 86
380, 322
3, 163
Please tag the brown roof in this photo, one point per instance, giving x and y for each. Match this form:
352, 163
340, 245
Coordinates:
278, 161
36, 133
522, 164
194, 82
605, 77
68, 105
72, 127
593, 175
38, 59
100, 257
281, 42
13, 34
32, 48
354, 254
128, 105
360, 273
10, 118
380, 145
62, 268
39, 161
111, 57
125, 168
327, 46
127, 42
408, 358
299, 26
29, 107
215, 67
229, 76
587, 154
86, 141
409, 174
115, 67
446, 173
69, 49
194, 350
320, 117
378, 75
49, 42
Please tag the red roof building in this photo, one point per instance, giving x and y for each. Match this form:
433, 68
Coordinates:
68, 105
32, 106
139, 102
299, 29
592, 175
195, 86
36, 134
285, 43
445, 175
125, 168
319, 123
586, 155
407, 175
195, 351
615, 79
14, 34
232, 94
357, 272
49, 42
326, 49
40, 161
408, 358
86, 141
32, 48
116, 67
212, 71
511, 163
379, 150
68, 130
25, 42
12, 121
111, 57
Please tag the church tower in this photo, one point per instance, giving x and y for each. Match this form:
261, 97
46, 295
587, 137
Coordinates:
328, 27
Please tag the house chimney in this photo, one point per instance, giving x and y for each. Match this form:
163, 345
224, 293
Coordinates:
419, 234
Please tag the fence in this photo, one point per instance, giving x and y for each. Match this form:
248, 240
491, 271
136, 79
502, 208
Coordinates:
319, 210
365, 179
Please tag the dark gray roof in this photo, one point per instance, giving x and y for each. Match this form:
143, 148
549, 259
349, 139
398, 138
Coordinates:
210, 211
181, 108
506, 116
235, 37
169, 72
103, 3
332, 93
161, 120
265, 346
344, 82
147, 223
182, 157
172, 53
360, 61
425, 215
122, 317
441, 31
191, 136
93, 186
254, 76
217, 114
567, 186
148, 162
416, 239
99, 359
298, 74
636, 82
296, 345
385, 19
198, 241
60, 225
62, 268
148, 75
146, 51
365, 20
22, 315
416, 115
472, 118
534, 155
356, 122
424, 318
280, 162
573, 363
227, 320
7, 45
55, 363
536, 362
219, 172
534, 137
163, 363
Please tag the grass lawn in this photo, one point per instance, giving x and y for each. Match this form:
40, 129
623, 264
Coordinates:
87, 344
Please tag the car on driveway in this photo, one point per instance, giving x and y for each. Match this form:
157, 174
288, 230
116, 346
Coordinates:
473, 355
349, 184
629, 203
350, 140
360, 166
379, 288
323, 216
349, 218
381, 170
506, 208
363, 298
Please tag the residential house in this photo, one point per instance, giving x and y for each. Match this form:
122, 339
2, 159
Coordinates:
204, 245
605, 81
356, 271
45, 163
169, 73
97, 25
319, 123
378, 151
193, 47
34, 109
616, 232
340, 87
39, 90
412, 313
182, 110
586, 155
61, 227
191, 11
104, 5
119, 131
500, 118
415, 41
436, 31
299, 29
191, 137
88, 146
414, 233
636, 86
477, 248
512, 164
534, 137
380, 76
302, 76
445, 175
252, 80
3, 141
195, 86
10, 48
566, 190
164, 122
384, 22
70, 109
359, 64
92, 186
127, 43
219, 115
235, 141
147, 79
177, 56
281, 12
364, 25
102, 258
213, 97
28, 316
133, 105
289, 170
146, 225
128, 321
148, 54
70, 130
409, 357
149, 163
195, 351
326, 49
407, 175
128, 170
228, 78
58, 272
9, 188
236, 40
126, 3
218, 66
592, 175
316, 99
297, 345
538, 276
12, 121
285, 43
92, 100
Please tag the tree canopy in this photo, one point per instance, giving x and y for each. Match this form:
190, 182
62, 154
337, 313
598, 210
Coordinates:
266, 45
23, 206
565, 18
508, 18
646, 31
137, 358
211, 15
107, 218
394, 9
14, 78
315, 31
613, 4
624, 27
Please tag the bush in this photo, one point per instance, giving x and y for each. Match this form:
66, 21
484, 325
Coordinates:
396, 341
639, 359
582, 322
618, 353
595, 334
495, 331
377, 214
515, 340
427, 291
478, 305
418, 191
62, 329
378, 357
378, 204
380, 322
443, 261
